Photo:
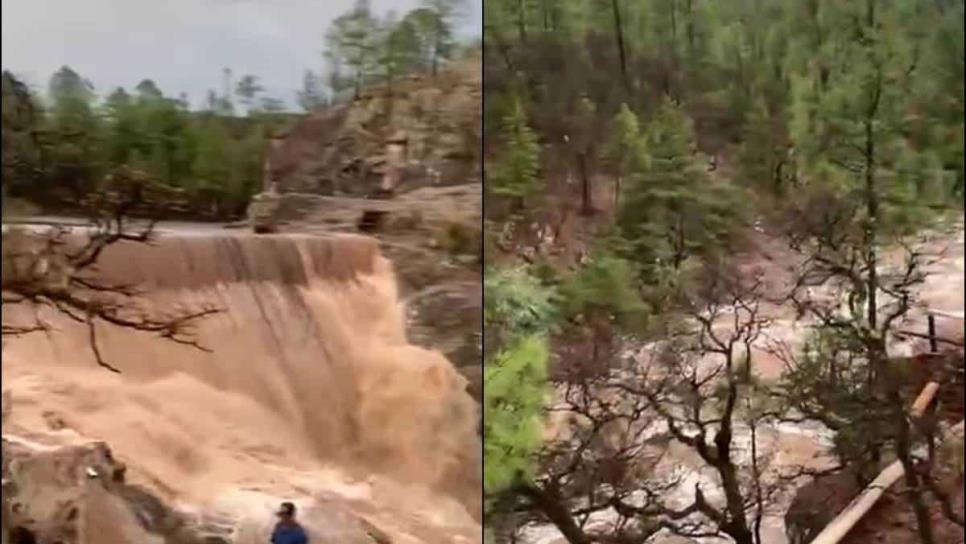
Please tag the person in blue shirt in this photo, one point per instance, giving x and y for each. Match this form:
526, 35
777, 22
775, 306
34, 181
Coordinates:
287, 530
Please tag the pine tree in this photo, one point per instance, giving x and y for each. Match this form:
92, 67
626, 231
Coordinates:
868, 188
148, 91
399, 49
763, 157
311, 97
515, 171
73, 130
248, 89
625, 147
603, 292
518, 312
352, 44
122, 127
514, 397
423, 24
445, 14
22, 154
671, 211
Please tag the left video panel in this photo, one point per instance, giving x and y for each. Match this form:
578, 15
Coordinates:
242, 271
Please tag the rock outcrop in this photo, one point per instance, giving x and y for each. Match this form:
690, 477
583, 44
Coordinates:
76, 493
401, 164
423, 131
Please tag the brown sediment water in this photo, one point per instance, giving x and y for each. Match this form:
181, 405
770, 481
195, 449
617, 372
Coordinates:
790, 446
308, 380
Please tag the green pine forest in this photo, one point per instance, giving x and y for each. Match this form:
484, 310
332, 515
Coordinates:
61, 142
666, 131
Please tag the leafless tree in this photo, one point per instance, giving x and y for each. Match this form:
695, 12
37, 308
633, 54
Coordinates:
57, 268
846, 377
696, 390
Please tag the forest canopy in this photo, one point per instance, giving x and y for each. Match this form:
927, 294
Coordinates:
636, 153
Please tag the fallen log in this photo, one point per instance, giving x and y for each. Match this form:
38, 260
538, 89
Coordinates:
847, 519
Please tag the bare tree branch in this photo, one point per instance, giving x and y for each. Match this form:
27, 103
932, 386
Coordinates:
58, 270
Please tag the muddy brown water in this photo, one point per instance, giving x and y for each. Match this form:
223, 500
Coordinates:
308, 380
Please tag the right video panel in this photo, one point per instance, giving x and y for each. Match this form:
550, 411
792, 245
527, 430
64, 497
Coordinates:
723, 279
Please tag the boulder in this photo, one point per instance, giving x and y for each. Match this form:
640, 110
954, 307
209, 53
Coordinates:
263, 212
77, 494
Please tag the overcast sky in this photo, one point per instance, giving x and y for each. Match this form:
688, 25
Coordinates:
181, 44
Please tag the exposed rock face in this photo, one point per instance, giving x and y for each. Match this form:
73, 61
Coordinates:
424, 131
449, 318
402, 165
77, 494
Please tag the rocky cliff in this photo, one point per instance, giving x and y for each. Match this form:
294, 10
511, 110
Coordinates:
415, 146
422, 131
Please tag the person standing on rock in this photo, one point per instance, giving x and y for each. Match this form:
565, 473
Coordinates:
287, 530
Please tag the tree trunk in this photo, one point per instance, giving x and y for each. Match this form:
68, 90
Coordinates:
435, 63
689, 30
672, 56
619, 36
872, 211
756, 476
871, 194
502, 47
914, 487
617, 193
737, 523
586, 198
777, 181
737, 527
674, 32
522, 20
557, 513
678, 244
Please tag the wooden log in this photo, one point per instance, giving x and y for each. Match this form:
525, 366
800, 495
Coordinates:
846, 520
951, 315
925, 397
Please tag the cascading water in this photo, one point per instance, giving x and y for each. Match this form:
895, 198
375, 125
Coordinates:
308, 387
